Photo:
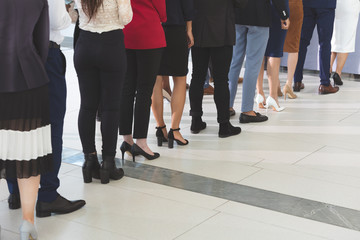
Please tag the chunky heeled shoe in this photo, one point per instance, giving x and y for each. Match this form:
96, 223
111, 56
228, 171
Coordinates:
270, 102
136, 150
172, 138
91, 167
260, 101
109, 170
160, 135
197, 125
289, 92
27, 231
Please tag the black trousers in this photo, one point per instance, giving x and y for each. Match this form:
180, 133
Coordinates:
221, 60
100, 63
143, 67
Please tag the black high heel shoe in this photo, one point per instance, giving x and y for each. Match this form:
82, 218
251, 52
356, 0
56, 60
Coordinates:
125, 147
90, 168
160, 135
172, 138
109, 170
136, 150
337, 79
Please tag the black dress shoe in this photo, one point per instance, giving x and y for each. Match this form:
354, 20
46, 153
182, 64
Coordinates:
244, 118
337, 79
197, 125
232, 112
227, 130
298, 86
59, 206
14, 201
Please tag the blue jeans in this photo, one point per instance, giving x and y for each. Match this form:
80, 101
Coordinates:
323, 18
250, 40
49, 182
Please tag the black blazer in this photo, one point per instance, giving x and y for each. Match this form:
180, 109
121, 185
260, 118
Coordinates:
24, 44
214, 23
258, 12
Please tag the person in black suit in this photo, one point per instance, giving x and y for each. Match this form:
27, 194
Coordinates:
25, 146
214, 37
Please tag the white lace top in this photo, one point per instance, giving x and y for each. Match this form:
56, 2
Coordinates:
112, 15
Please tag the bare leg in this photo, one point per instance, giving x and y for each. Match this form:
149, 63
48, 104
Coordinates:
273, 69
292, 61
129, 139
177, 105
341, 60
260, 80
166, 85
28, 192
157, 105
332, 60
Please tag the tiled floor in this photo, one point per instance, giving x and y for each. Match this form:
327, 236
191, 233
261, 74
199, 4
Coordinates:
310, 151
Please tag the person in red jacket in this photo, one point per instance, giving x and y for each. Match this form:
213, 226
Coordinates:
144, 43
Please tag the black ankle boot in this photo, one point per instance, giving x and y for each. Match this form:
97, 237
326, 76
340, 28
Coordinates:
227, 130
108, 170
91, 167
197, 125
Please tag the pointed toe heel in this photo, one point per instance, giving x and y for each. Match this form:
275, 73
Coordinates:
27, 231
270, 102
125, 147
136, 150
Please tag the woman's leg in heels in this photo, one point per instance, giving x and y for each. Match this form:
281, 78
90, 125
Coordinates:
177, 105
157, 103
273, 68
28, 192
340, 62
292, 61
260, 81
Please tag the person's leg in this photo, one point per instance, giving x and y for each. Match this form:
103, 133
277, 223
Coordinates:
55, 67
157, 104
28, 191
166, 85
307, 30
127, 97
237, 61
148, 63
200, 58
325, 31
257, 38
291, 66
221, 60
332, 60
260, 80
177, 105
340, 62
273, 68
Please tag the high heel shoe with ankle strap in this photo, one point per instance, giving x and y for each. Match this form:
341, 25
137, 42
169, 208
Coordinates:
260, 101
27, 231
172, 138
289, 92
160, 135
270, 102
136, 150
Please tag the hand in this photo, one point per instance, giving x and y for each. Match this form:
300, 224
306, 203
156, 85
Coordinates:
190, 38
285, 24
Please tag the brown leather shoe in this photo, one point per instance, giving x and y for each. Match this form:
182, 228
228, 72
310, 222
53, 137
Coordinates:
209, 90
298, 86
327, 89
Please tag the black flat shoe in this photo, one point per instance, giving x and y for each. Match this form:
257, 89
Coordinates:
228, 130
109, 170
90, 168
14, 201
337, 79
136, 150
244, 118
197, 125
160, 135
172, 138
60, 206
298, 86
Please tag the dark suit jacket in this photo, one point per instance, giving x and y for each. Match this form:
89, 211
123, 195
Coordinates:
214, 23
320, 3
24, 44
258, 12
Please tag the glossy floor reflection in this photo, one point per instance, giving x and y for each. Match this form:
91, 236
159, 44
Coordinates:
308, 153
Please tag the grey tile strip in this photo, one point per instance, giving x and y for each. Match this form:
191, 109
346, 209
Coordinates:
295, 206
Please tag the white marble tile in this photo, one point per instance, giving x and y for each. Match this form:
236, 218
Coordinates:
305, 187
226, 226
289, 222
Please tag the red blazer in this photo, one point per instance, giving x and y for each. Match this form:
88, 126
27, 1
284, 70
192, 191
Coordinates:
145, 30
